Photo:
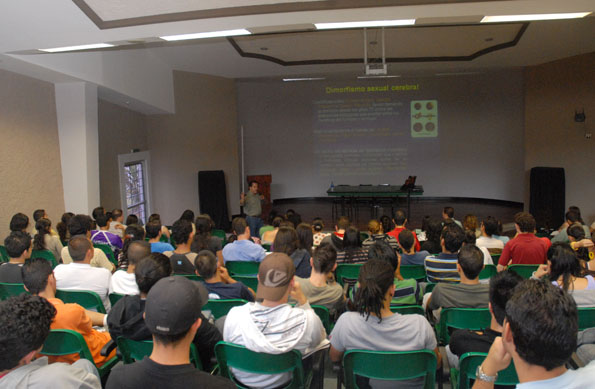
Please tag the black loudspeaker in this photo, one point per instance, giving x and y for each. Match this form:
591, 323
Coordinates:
548, 196
212, 196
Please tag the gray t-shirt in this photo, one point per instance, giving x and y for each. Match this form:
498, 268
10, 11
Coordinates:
460, 296
330, 295
252, 205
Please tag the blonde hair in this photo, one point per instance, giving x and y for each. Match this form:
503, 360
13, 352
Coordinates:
374, 226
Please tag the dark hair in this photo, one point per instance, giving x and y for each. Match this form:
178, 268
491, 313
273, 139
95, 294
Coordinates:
25, 325
116, 213
187, 215
525, 221
387, 223
375, 278
501, 288
399, 217
470, 222
98, 211
19, 222
295, 219
78, 246
305, 236
169, 339
101, 220
252, 182
276, 222
577, 232
544, 323
324, 258
151, 269
576, 209
16, 243
137, 250
181, 231
79, 225
35, 273
318, 224
204, 226
434, 231
38, 214
62, 226
286, 241
132, 233
153, 228
155, 217
343, 223
449, 211
238, 225
131, 219
470, 237
490, 226
352, 244
206, 264
406, 239
470, 259
453, 236
43, 227
382, 251
565, 263
572, 216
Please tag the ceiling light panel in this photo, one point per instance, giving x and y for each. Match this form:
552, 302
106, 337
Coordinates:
203, 35
371, 23
75, 48
519, 18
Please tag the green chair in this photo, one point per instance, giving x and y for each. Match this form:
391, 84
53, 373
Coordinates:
249, 281
418, 272
460, 379
488, 271
495, 258
220, 234
3, 254
266, 247
324, 315
347, 271
85, 298
407, 309
114, 298
586, 318
8, 290
429, 287
220, 307
45, 254
242, 268
164, 238
107, 250
231, 355
525, 271
65, 342
136, 350
462, 318
389, 365
191, 277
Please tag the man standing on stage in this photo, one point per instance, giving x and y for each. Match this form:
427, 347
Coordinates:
252, 203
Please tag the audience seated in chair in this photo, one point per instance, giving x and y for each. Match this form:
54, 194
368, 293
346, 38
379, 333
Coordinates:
19, 222
203, 238
376, 232
448, 213
81, 225
336, 238
153, 229
400, 220
489, 227
22, 337
409, 256
572, 217
443, 267
217, 280
103, 236
243, 248
116, 226
45, 240
124, 281
18, 247
525, 248
182, 259
352, 251
173, 327
287, 242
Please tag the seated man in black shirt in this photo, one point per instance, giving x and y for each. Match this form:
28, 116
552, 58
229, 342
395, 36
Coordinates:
217, 280
18, 247
172, 314
464, 341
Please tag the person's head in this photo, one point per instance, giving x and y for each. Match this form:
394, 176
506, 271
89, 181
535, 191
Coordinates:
351, 239
575, 232
452, 237
525, 222
38, 214
117, 215
131, 219
62, 226
151, 269
374, 227
387, 223
382, 251
376, 280
25, 325
253, 186
79, 247
79, 225
187, 215
470, 237
448, 213
286, 241
470, 222
153, 217
181, 231
101, 220
134, 232
36, 274
204, 224
406, 240
153, 229
277, 220
97, 211
572, 217
43, 227
542, 323
17, 244
470, 260
305, 236
172, 310
137, 250
206, 264
342, 223
239, 225
576, 209
400, 218
19, 222
275, 277
501, 288
295, 219
490, 226
317, 224
564, 263
434, 230
324, 259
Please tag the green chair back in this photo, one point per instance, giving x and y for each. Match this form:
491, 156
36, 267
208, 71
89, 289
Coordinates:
323, 313
495, 258
242, 268
85, 298
239, 357
249, 281
66, 342
347, 271
429, 287
8, 290
220, 307
418, 272
462, 318
45, 254
136, 350
220, 234
114, 298
488, 271
191, 277
407, 309
164, 239
3, 254
107, 250
586, 318
266, 247
524, 271
389, 365
468, 365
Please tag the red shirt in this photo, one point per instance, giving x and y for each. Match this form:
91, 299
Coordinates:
525, 249
396, 232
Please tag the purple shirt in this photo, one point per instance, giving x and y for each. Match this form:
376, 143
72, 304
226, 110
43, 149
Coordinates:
106, 237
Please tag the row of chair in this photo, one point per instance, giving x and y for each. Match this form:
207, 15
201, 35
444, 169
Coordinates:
47, 254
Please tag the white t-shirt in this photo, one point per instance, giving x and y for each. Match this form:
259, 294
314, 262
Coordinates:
572, 379
81, 276
489, 243
99, 259
123, 283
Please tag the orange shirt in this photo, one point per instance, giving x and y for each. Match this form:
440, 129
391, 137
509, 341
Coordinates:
73, 317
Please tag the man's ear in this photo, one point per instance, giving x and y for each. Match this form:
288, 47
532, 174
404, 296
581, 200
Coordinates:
29, 357
312, 262
335, 266
507, 338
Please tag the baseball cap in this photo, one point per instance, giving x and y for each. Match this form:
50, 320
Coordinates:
173, 304
274, 275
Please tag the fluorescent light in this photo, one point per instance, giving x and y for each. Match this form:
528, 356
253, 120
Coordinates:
366, 77
304, 79
371, 23
74, 48
519, 18
202, 35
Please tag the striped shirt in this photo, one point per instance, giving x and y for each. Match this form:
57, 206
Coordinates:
355, 256
442, 268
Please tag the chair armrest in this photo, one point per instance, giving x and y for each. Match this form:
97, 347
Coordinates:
108, 348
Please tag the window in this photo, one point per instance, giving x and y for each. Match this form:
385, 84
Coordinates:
135, 186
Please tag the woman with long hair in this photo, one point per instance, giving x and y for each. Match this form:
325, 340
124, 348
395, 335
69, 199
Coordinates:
44, 240
352, 251
204, 240
62, 227
268, 237
305, 237
287, 242
576, 233
432, 242
317, 234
